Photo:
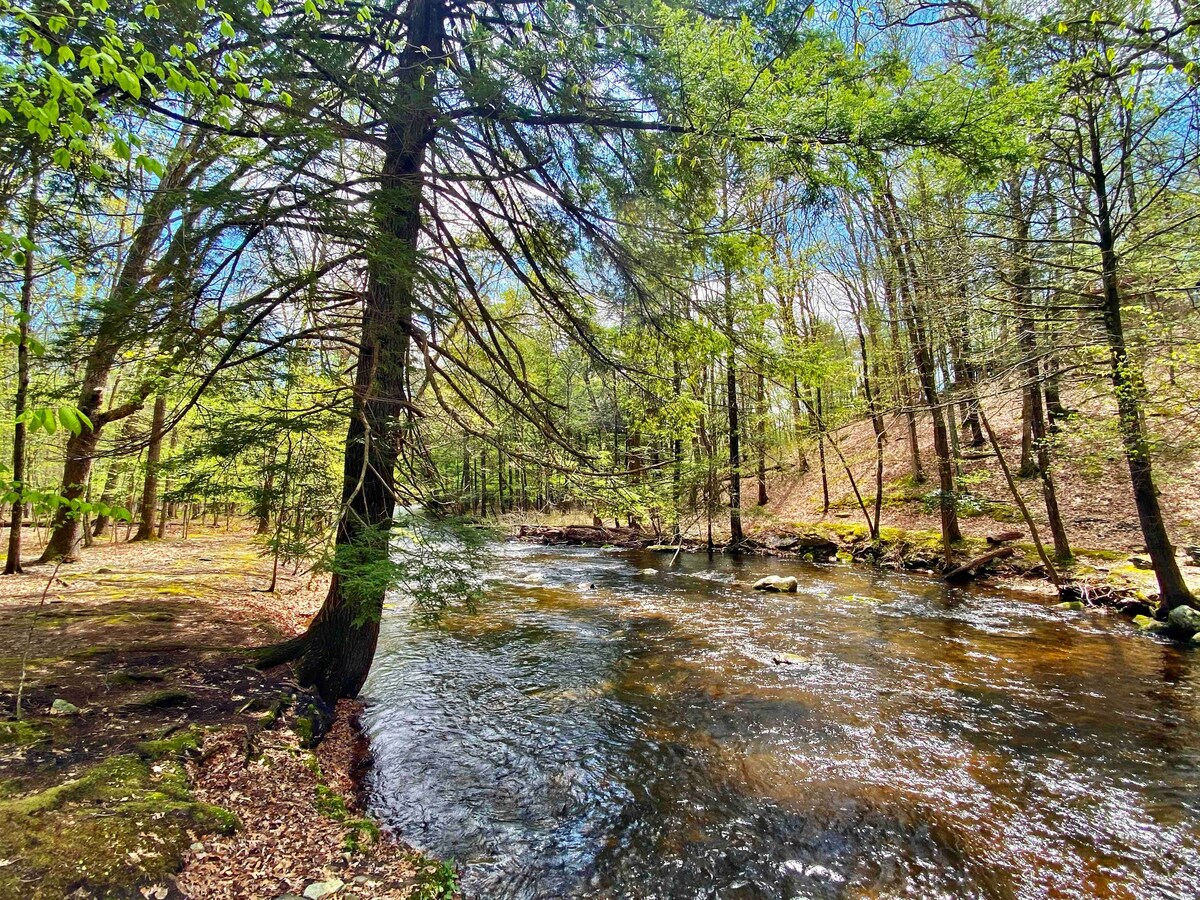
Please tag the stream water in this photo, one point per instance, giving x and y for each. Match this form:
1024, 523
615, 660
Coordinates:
596, 730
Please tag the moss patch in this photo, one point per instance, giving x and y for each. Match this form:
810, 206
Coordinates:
122, 823
22, 734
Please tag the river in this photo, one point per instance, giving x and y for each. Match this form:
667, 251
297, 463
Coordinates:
594, 729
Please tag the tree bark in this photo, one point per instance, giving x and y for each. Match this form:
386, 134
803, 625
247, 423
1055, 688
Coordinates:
761, 385
335, 653
923, 357
12, 563
736, 535
112, 333
1130, 391
146, 525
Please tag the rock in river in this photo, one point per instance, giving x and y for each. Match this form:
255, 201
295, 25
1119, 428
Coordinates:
779, 584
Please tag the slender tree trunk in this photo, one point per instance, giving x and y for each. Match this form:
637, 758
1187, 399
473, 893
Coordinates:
819, 425
12, 564
1130, 391
145, 530
1035, 446
735, 453
112, 332
922, 355
168, 509
262, 509
761, 382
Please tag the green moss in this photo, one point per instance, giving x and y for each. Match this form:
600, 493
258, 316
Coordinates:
360, 834
329, 803
303, 726
23, 733
1149, 625
180, 744
123, 822
1108, 555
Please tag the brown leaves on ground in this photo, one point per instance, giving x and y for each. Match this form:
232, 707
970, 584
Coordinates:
299, 821
145, 639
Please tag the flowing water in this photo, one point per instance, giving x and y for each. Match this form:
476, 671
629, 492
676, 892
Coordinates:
596, 730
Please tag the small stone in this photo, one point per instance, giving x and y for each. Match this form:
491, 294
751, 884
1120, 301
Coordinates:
1071, 604
648, 572
778, 584
319, 889
1140, 562
197, 846
61, 707
822, 873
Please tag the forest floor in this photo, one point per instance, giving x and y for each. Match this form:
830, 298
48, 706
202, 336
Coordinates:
153, 761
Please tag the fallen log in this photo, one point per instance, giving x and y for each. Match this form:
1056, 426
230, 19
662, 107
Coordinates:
1005, 536
972, 569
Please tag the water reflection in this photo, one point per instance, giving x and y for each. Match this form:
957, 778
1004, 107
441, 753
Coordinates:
596, 731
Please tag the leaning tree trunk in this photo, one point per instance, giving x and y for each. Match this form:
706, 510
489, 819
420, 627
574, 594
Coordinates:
335, 653
1130, 391
112, 332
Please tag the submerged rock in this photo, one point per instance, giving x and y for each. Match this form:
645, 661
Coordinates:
860, 598
648, 572
1149, 625
1071, 604
779, 584
789, 659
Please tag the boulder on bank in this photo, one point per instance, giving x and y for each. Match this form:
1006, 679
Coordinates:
778, 584
1184, 621
818, 546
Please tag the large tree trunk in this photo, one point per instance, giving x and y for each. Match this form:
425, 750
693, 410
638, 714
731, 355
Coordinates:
1130, 391
335, 653
146, 526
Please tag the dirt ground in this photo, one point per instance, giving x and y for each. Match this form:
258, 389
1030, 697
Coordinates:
1090, 470
167, 750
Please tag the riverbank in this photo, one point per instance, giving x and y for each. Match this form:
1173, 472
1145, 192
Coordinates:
1095, 578
151, 760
